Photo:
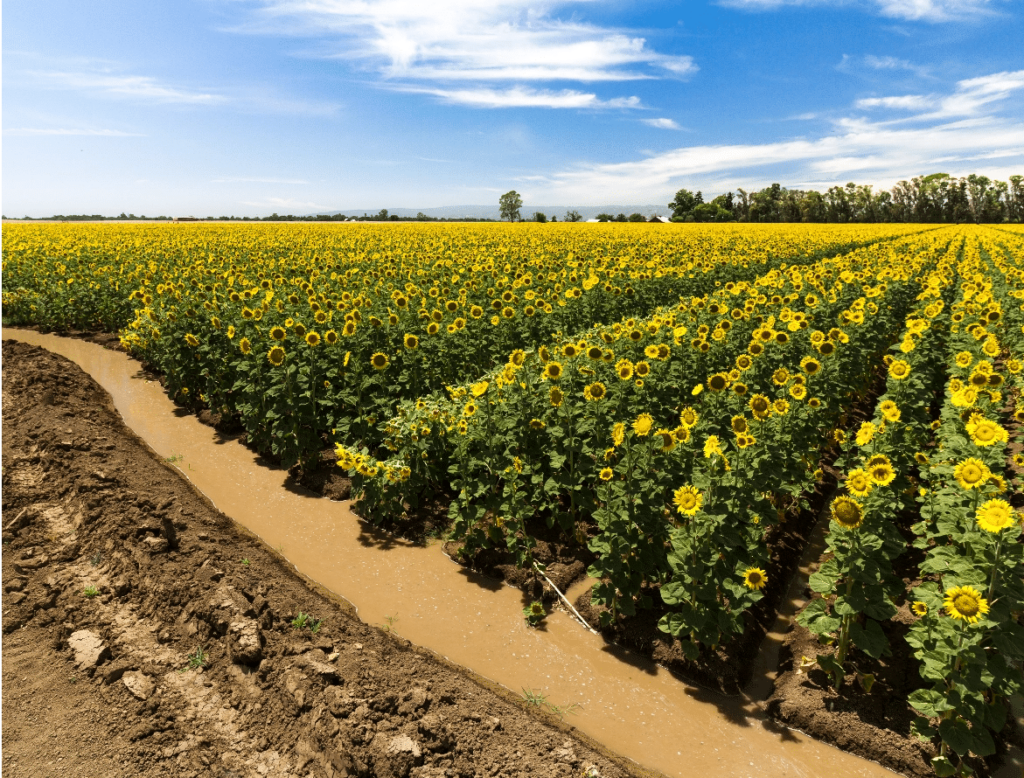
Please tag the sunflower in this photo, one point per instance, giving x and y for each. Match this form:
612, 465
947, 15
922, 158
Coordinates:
738, 424
191, 339
479, 389
739, 388
245, 346
847, 512
432, 328
643, 424
972, 473
595, 391
965, 603
890, 411
995, 515
688, 417
231, 332
713, 446
780, 377
921, 458
755, 578
866, 433
798, 391
469, 410
536, 424
556, 396
899, 369
331, 337
380, 361
985, 432
881, 473
781, 407
687, 500
312, 339
606, 474
718, 382
618, 433
624, 369
668, 439
569, 350
552, 370
745, 441
411, 341
760, 406
859, 483
276, 356
595, 353
810, 365
651, 351
642, 369
278, 333
919, 608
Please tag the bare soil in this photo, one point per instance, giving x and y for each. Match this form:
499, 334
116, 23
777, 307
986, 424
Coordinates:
145, 634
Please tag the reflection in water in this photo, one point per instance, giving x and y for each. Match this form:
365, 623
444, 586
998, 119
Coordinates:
626, 702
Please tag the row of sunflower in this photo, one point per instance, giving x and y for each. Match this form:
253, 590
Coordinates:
675, 494
968, 637
856, 583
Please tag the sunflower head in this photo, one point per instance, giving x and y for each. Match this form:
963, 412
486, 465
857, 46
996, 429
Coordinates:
553, 371
859, 483
965, 603
606, 474
718, 382
755, 578
276, 355
643, 424
688, 500
379, 361
899, 369
972, 473
411, 341
595, 391
556, 396
995, 516
919, 608
847, 513
760, 406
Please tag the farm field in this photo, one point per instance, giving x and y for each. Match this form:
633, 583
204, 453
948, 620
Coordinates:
652, 417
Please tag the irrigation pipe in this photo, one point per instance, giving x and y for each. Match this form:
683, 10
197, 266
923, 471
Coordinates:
565, 600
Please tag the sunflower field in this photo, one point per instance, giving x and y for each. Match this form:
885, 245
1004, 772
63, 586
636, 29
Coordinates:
662, 396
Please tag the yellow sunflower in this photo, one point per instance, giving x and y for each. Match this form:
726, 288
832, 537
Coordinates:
755, 578
643, 424
618, 433
985, 432
995, 516
276, 356
972, 473
859, 483
380, 361
847, 512
687, 500
965, 603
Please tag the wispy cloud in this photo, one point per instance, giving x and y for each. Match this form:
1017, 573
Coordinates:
662, 124
972, 97
126, 86
525, 97
958, 127
62, 131
476, 40
284, 204
909, 10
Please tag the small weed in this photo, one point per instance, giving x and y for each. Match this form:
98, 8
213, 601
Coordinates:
300, 621
96, 559
540, 700
245, 562
303, 620
535, 613
174, 458
315, 624
73, 679
91, 591
390, 625
198, 658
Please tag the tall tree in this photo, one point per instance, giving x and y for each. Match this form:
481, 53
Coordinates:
510, 204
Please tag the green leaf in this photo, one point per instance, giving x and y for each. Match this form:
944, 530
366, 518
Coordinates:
928, 702
956, 734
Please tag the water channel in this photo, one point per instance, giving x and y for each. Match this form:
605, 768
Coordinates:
627, 703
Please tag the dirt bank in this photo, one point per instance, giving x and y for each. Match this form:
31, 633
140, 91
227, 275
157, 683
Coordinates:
146, 634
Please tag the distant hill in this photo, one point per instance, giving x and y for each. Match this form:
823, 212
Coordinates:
492, 212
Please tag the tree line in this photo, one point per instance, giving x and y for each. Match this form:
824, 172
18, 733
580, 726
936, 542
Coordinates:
939, 198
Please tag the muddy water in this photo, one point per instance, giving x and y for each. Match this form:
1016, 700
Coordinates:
629, 704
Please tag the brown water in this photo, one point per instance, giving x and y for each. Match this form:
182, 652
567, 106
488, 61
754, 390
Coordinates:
627, 703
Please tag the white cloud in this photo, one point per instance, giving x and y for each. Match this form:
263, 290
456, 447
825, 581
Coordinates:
476, 40
130, 86
62, 131
959, 127
972, 97
525, 97
903, 102
662, 124
910, 10
284, 205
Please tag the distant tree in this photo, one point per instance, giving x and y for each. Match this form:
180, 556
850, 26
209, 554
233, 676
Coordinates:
539, 217
573, 216
605, 217
621, 217
637, 217
683, 203
510, 204
383, 215
421, 216
554, 218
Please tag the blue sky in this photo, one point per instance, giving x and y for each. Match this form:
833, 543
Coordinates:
248, 107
